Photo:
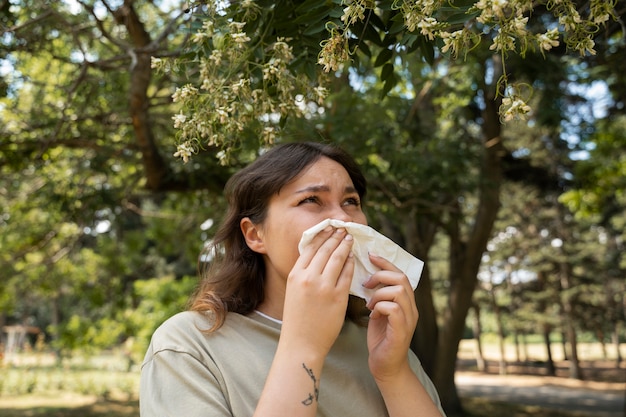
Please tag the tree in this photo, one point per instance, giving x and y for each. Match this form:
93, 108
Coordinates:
84, 165
445, 115
598, 198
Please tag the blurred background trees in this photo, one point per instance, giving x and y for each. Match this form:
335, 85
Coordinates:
101, 225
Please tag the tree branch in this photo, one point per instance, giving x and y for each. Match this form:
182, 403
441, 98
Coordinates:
157, 171
33, 21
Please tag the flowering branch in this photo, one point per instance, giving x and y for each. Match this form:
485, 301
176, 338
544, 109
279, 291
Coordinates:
248, 78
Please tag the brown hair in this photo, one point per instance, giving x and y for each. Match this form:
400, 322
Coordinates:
234, 279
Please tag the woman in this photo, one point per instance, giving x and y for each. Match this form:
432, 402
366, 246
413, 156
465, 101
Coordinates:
267, 333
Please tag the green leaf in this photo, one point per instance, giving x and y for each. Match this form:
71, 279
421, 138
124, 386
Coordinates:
336, 12
386, 72
362, 46
428, 51
390, 82
309, 5
383, 57
458, 18
398, 25
408, 39
313, 17
310, 69
368, 33
377, 22
385, 5
315, 28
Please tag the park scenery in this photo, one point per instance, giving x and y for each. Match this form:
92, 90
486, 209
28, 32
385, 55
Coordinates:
34, 383
491, 133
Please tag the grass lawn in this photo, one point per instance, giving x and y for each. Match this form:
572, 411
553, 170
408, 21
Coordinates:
100, 408
480, 407
98, 387
69, 407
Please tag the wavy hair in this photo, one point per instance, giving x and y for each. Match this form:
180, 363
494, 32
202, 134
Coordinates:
234, 279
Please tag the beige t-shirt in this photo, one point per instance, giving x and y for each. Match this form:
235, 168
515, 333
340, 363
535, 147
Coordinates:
189, 373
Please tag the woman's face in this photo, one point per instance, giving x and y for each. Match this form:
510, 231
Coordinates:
323, 190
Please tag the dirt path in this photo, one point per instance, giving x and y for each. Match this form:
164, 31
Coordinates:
598, 399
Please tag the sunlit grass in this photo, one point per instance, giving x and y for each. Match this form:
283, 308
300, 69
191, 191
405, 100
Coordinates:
474, 407
48, 381
101, 386
73, 408
481, 407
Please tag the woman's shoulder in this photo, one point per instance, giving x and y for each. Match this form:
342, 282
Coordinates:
193, 329
188, 334
185, 320
181, 332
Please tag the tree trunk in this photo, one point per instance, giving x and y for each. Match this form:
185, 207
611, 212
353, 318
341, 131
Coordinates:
55, 319
3, 322
156, 169
466, 254
417, 237
420, 234
615, 337
550, 368
600, 337
477, 330
518, 356
568, 319
424, 342
574, 364
564, 345
500, 329
525, 347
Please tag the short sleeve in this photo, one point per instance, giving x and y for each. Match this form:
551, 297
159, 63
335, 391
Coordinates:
175, 383
416, 365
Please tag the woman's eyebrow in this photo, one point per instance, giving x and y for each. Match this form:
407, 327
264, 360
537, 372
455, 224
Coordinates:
313, 189
324, 188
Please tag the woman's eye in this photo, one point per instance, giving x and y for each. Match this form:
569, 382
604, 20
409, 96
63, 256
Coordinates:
311, 199
352, 201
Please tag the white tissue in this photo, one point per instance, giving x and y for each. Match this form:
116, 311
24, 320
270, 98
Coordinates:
367, 240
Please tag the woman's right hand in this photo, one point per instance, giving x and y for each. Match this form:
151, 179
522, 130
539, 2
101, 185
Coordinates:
317, 293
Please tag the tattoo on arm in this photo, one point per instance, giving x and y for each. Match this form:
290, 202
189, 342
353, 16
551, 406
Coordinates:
316, 392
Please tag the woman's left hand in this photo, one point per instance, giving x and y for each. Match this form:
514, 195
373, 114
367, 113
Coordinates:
392, 320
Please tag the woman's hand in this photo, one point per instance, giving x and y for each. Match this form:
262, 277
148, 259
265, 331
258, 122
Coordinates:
389, 333
315, 302
317, 292
392, 320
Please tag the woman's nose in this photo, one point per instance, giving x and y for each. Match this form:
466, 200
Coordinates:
339, 213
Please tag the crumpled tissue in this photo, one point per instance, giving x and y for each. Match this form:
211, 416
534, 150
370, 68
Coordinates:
367, 239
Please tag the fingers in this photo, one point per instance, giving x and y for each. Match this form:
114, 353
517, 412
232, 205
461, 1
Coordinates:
389, 275
330, 246
311, 249
329, 255
394, 296
394, 302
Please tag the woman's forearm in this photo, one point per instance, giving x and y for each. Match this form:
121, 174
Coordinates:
292, 385
406, 396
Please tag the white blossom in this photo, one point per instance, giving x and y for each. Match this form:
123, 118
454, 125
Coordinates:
514, 108
353, 13
198, 37
268, 134
503, 42
451, 41
427, 26
320, 94
156, 63
239, 37
216, 56
184, 92
179, 120
548, 40
184, 151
